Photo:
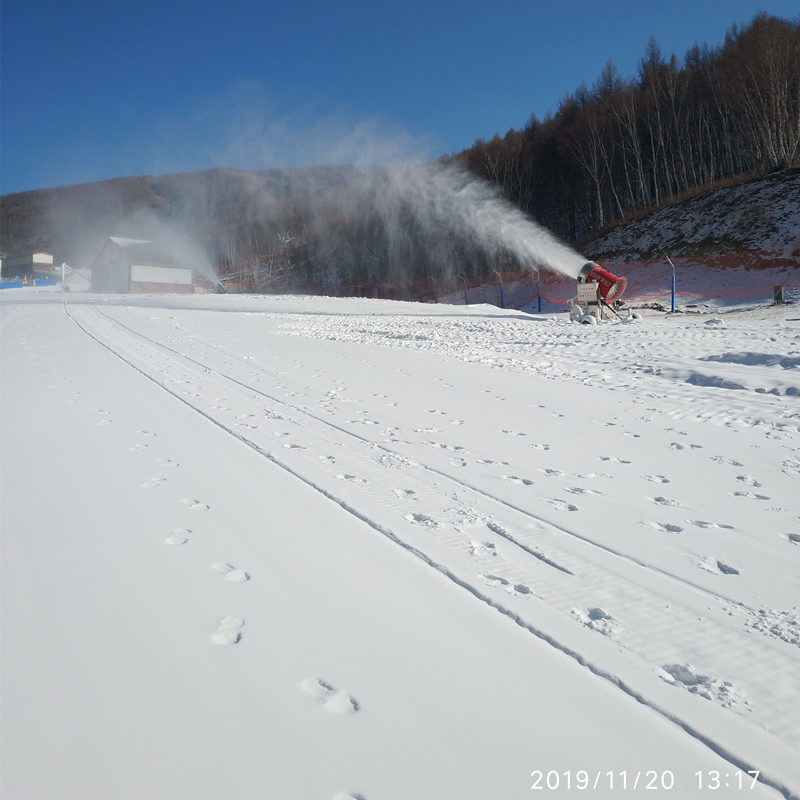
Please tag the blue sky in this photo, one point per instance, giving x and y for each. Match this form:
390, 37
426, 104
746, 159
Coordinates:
94, 90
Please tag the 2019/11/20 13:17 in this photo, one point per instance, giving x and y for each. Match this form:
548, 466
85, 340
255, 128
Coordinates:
582, 780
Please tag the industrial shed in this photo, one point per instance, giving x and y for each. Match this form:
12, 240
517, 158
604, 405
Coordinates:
137, 265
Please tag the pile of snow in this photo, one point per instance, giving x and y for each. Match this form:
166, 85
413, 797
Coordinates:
327, 548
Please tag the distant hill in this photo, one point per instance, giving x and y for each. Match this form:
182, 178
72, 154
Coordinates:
73, 221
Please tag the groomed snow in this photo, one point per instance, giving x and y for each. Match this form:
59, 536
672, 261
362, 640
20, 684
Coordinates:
284, 547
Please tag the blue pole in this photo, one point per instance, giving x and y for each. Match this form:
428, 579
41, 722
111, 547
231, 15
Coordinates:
539, 296
673, 283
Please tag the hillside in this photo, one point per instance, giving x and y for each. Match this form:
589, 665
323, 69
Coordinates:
761, 214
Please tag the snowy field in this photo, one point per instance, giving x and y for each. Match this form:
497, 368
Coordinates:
283, 547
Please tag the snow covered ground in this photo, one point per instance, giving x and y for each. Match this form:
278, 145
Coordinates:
283, 547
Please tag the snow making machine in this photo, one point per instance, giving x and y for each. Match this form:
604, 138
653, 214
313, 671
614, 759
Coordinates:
598, 289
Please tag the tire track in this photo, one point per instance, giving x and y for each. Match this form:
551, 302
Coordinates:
545, 520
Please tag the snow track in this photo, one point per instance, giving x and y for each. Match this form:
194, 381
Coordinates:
505, 552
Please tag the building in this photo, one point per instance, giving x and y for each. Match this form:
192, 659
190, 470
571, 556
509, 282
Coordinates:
137, 265
30, 265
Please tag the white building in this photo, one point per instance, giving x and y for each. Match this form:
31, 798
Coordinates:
137, 265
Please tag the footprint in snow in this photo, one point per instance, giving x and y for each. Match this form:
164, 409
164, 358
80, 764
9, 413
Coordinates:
664, 527
791, 468
152, 483
230, 572
751, 495
597, 619
516, 479
657, 478
511, 588
701, 523
330, 698
228, 632
195, 505
421, 519
749, 480
552, 473
178, 536
482, 549
351, 478
687, 677
663, 501
539, 446
562, 505
167, 462
716, 567
730, 461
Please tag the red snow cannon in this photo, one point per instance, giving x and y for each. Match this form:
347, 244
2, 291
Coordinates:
611, 287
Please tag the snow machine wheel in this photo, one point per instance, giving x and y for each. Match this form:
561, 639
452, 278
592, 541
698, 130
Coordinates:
576, 314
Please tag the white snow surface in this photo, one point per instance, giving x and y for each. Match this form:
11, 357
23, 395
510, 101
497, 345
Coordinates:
285, 547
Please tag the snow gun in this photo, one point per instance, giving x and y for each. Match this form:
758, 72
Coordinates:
611, 287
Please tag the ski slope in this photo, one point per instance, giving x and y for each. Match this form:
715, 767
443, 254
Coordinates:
262, 547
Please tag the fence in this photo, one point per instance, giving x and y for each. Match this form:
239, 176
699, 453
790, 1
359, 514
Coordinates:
554, 292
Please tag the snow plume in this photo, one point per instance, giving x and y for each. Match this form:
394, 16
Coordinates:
178, 238
82, 218
417, 219
454, 210
373, 198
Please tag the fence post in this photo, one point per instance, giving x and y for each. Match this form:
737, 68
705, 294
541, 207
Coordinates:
466, 299
502, 300
673, 284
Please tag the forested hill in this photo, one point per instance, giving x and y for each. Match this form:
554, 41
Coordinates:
627, 145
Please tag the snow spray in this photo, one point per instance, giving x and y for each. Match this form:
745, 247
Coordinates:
448, 204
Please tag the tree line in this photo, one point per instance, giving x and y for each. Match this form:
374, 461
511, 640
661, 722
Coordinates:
628, 145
